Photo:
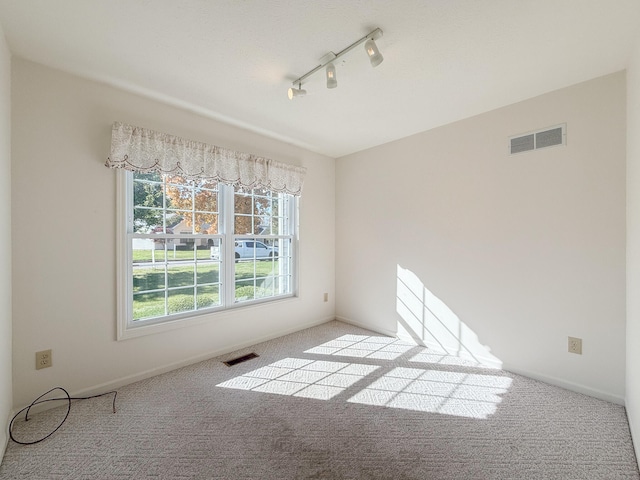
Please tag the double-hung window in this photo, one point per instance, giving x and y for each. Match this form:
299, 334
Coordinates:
200, 229
197, 246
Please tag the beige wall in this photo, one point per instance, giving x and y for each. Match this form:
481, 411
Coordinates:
633, 247
6, 400
491, 256
64, 221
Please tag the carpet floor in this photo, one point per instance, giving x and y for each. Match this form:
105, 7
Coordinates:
331, 402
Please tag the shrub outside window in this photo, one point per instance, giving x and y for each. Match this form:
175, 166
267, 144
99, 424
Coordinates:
196, 246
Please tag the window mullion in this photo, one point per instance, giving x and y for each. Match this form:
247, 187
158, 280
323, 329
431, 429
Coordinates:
195, 247
228, 209
125, 268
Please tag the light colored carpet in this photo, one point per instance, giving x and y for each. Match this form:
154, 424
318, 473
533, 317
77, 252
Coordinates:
332, 402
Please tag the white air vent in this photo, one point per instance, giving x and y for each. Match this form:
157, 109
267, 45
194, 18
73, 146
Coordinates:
549, 137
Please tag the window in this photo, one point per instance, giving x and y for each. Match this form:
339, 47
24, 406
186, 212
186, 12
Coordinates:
195, 246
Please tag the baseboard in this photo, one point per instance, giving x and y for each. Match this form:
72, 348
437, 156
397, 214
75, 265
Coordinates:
558, 382
635, 435
574, 387
136, 377
355, 323
479, 360
5, 443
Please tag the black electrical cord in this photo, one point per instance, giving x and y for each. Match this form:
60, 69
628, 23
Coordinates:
37, 401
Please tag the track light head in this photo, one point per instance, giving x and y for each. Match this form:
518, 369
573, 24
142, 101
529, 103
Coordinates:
332, 81
375, 57
296, 92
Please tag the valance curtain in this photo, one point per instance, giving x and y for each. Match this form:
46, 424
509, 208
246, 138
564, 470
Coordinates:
142, 150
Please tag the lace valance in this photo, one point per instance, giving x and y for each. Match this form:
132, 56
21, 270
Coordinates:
142, 150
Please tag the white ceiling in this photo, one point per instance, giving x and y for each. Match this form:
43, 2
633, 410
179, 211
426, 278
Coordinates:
234, 59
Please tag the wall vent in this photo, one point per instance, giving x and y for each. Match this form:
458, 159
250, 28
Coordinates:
244, 358
548, 137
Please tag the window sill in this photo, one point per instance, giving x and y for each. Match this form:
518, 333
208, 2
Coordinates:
127, 331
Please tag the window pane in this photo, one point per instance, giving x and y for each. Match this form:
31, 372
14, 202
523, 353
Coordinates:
180, 221
208, 248
148, 277
243, 224
148, 264
260, 268
206, 223
180, 300
147, 220
244, 290
208, 272
208, 296
242, 203
206, 200
180, 274
262, 205
179, 250
243, 219
179, 193
245, 269
206, 208
147, 250
148, 198
265, 287
148, 305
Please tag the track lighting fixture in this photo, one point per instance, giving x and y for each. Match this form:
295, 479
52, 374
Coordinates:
332, 82
296, 92
375, 57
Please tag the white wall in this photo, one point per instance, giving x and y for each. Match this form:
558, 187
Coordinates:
633, 247
499, 257
64, 203
6, 400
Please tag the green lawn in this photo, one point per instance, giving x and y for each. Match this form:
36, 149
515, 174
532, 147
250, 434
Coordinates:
140, 256
207, 274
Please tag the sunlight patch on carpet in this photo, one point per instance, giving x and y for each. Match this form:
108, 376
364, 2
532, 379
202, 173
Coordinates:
317, 379
434, 391
364, 346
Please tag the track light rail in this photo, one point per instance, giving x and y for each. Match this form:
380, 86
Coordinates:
330, 57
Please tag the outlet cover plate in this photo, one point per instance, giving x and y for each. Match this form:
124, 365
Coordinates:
575, 345
43, 359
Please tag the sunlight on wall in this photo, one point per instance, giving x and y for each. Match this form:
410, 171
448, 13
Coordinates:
380, 382
429, 321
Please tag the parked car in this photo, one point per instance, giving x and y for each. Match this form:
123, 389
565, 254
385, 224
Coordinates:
249, 249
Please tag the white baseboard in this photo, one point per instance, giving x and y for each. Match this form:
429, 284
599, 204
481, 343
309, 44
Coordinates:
136, 377
574, 387
558, 382
635, 436
383, 331
482, 361
3, 444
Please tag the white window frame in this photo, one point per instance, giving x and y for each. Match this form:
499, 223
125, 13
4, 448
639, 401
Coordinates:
127, 327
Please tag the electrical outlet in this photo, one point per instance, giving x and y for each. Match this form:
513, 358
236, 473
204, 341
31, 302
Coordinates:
43, 359
575, 345
326, 297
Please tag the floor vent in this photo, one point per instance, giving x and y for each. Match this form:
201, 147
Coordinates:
549, 137
244, 358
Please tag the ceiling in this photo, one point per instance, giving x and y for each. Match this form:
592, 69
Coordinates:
233, 60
